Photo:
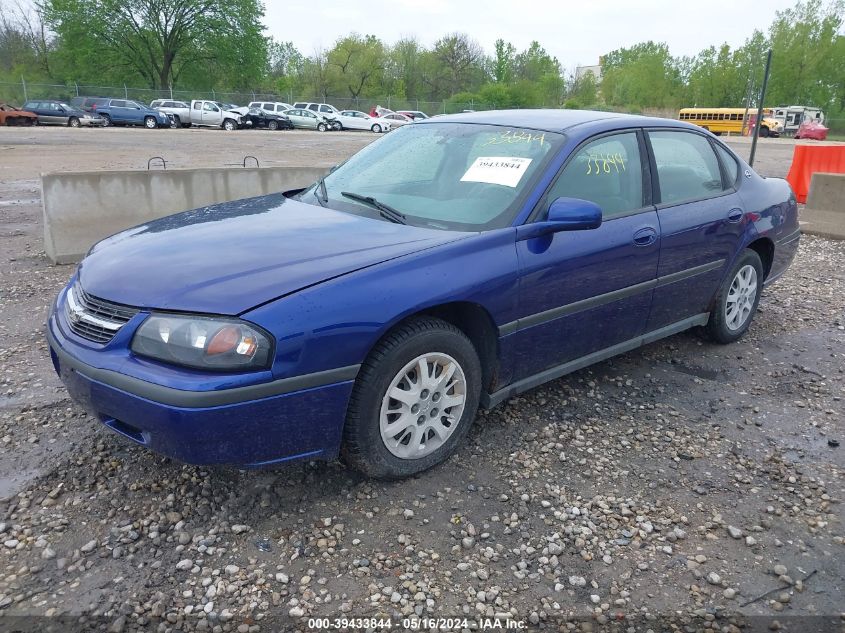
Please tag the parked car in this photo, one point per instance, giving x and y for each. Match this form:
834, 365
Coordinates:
178, 111
357, 120
327, 111
51, 112
88, 104
127, 112
211, 114
373, 312
273, 107
308, 120
397, 120
416, 115
258, 118
10, 115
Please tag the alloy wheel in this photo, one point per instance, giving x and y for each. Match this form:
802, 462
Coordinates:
741, 297
423, 406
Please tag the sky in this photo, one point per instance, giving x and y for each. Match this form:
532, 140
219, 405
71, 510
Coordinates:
577, 33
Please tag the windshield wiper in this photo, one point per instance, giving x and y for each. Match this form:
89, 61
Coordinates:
323, 196
385, 211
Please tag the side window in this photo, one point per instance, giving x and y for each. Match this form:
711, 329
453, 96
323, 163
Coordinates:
607, 171
313, 106
687, 168
729, 163
197, 106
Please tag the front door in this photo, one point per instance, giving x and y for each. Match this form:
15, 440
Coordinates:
702, 220
585, 291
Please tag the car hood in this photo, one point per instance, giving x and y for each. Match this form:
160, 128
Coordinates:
230, 257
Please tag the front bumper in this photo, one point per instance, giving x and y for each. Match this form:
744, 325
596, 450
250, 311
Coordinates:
239, 426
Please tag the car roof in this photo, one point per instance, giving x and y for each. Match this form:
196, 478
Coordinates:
558, 120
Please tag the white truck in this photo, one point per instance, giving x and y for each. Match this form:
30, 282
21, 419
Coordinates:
178, 111
211, 114
791, 117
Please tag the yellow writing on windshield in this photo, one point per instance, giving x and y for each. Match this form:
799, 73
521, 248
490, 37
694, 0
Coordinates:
516, 136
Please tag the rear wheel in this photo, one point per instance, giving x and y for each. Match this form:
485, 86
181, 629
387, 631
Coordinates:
737, 300
414, 400
322, 127
764, 132
177, 122
73, 122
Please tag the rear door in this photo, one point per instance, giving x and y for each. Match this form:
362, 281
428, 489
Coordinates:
702, 220
585, 291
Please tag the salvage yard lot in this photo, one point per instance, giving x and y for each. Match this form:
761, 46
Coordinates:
673, 482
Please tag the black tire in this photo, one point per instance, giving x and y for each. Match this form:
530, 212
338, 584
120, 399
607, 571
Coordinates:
273, 125
764, 132
376, 128
177, 122
73, 122
150, 122
717, 327
363, 447
106, 120
229, 125
322, 127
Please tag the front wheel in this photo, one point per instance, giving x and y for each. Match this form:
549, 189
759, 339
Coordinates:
322, 127
228, 125
106, 120
150, 123
73, 122
737, 300
414, 400
376, 128
764, 132
273, 125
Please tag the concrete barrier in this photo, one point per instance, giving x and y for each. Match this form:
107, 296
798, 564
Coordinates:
81, 208
825, 211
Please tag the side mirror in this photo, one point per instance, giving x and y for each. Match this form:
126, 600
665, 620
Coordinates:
565, 214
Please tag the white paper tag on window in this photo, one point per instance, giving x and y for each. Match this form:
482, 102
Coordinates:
497, 170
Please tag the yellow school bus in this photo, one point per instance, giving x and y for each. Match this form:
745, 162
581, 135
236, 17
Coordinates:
724, 120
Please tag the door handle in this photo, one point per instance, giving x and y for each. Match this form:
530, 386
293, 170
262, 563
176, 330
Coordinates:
735, 215
645, 237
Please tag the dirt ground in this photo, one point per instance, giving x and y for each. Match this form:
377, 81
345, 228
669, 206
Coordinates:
663, 490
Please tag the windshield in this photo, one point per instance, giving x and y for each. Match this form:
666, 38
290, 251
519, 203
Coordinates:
455, 176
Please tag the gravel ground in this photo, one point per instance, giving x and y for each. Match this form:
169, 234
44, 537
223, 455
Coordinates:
662, 490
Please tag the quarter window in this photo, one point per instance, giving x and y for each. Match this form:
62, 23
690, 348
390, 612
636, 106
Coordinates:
687, 168
730, 165
606, 171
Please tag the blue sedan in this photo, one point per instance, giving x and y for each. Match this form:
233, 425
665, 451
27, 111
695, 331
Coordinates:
449, 265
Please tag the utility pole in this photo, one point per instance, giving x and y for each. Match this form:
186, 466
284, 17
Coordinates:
760, 108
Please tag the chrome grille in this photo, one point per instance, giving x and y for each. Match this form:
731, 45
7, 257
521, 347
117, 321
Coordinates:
92, 318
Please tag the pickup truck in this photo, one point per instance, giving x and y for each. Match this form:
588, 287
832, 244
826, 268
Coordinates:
210, 114
178, 111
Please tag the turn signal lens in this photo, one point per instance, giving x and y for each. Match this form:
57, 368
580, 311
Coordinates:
224, 341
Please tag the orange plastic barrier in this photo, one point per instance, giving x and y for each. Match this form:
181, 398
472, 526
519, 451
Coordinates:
809, 159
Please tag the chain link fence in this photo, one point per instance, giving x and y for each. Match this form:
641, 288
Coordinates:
19, 92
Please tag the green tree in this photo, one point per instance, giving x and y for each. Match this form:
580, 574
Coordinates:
643, 75
163, 41
805, 54
503, 62
356, 65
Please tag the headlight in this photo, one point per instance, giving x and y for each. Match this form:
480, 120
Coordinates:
203, 342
